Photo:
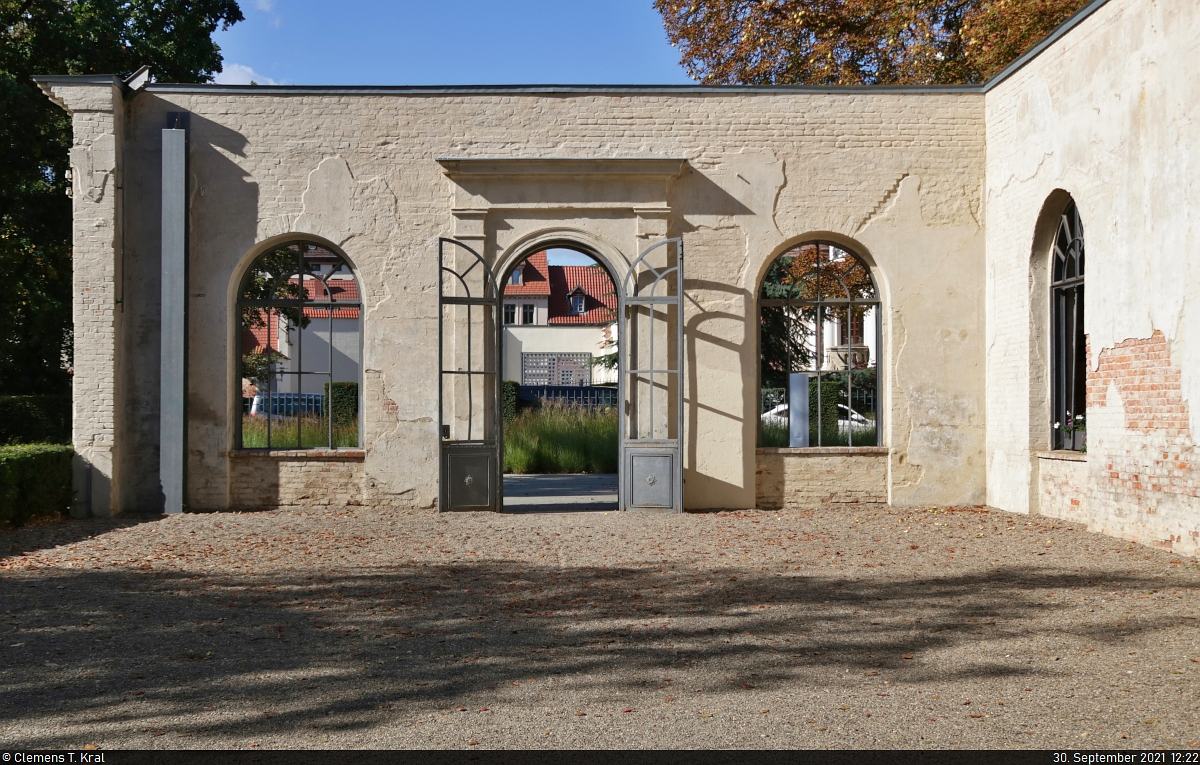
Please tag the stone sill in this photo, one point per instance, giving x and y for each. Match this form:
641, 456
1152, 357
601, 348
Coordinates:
818, 451
1065, 455
298, 454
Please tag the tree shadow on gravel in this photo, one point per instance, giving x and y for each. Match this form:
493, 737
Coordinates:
149, 649
45, 533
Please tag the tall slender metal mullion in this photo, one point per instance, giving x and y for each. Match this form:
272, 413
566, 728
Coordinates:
329, 397
270, 377
470, 380
849, 374
300, 349
820, 346
441, 344
680, 357
653, 420
1079, 354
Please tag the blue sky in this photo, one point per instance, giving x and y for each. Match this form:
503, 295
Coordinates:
452, 42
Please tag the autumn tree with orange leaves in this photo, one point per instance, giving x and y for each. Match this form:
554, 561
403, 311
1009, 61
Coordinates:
856, 42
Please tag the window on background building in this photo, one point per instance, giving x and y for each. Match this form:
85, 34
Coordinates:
577, 304
819, 344
299, 350
1068, 345
510, 314
527, 314
518, 276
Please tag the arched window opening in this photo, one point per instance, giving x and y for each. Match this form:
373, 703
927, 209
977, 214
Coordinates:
1068, 343
299, 350
819, 344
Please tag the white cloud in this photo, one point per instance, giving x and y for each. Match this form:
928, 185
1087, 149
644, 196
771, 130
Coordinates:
268, 7
240, 74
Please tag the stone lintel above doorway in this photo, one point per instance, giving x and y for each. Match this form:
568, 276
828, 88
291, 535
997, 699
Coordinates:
618, 183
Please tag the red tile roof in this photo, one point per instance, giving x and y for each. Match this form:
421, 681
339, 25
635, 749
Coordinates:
536, 281
600, 303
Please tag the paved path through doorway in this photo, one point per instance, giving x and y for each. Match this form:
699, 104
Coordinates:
564, 493
358, 627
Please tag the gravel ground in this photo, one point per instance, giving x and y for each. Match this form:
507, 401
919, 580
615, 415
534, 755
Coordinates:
844, 627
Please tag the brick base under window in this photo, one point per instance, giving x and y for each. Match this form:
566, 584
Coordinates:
801, 478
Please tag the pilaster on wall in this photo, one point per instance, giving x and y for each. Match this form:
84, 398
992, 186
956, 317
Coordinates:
96, 107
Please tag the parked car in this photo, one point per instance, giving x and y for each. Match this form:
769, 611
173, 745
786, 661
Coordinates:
848, 419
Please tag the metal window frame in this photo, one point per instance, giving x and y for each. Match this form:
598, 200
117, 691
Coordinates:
1068, 348
819, 305
273, 304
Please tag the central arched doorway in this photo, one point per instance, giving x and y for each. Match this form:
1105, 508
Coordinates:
649, 342
560, 391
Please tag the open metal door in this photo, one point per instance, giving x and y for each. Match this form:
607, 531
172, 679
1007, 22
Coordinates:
650, 347
469, 421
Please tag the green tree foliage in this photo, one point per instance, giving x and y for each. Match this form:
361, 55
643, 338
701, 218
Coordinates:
855, 42
174, 38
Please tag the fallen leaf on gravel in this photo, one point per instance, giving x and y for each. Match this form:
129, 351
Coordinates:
461, 709
870, 673
1151, 721
907, 656
703, 714
472, 743
763, 711
930, 719
843, 708
628, 709
747, 685
669, 698
581, 714
90, 747
977, 717
967, 703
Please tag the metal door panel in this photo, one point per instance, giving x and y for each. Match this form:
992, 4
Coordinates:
651, 480
651, 379
469, 422
470, 478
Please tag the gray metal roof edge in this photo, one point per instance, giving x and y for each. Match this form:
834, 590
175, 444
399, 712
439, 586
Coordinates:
438, 90
444, 90
77, 79
1075, 20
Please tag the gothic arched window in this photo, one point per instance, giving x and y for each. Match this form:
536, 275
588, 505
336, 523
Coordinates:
1068, 345
299, 350
819, 344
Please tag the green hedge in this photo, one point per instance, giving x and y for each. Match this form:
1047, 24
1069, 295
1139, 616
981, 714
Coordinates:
35, 419
35, 479
344, 407
510, 402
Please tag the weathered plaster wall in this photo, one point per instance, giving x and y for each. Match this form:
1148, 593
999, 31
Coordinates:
803, 478
1108, 115
100, 383
897, 176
